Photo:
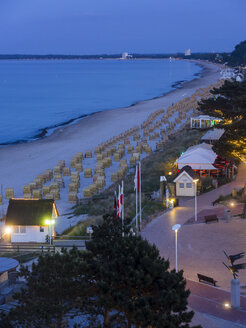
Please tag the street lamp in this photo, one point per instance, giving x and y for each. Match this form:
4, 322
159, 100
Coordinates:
50, 223
195, 181
8, 230
175, 228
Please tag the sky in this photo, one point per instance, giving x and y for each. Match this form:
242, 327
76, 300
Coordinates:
116, 26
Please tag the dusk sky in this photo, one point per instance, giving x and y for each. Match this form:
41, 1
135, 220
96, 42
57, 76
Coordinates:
113, 26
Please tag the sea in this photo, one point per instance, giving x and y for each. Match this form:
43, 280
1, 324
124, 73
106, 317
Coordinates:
37, 96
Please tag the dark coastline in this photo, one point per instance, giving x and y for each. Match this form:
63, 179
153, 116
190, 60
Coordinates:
44, 132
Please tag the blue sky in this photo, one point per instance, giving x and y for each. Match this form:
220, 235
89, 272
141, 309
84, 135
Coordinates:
115, 26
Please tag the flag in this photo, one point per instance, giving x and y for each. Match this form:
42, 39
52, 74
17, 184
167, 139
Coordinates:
137, 179
119, 207
121, 200
115, 201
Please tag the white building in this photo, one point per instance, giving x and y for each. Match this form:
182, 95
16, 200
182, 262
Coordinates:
204, 121
199, 157
31, 220
125, 55
187, 52
184, 181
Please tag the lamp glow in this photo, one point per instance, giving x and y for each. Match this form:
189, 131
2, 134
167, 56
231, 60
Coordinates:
227, 305
47, 221
8, 230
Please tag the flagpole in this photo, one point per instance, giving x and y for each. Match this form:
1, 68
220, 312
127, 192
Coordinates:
122, 208
140, 197
119, 203
137, 202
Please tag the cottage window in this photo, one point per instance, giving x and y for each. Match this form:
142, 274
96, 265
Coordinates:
181, 185
16, 229
188, 185
20, 229
41, 229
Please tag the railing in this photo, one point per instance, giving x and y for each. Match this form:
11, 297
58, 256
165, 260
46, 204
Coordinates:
34, 248
66, 237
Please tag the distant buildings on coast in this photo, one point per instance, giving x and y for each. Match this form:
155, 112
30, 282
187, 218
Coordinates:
125, 55
188, 52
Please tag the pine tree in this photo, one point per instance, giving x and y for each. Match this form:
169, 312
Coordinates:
132, 283
229, 103
52, 286
120, 281
238, 55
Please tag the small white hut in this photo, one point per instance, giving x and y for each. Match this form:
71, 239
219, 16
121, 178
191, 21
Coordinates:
30, 220
184, 181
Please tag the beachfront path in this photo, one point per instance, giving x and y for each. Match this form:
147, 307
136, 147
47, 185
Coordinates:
200, 246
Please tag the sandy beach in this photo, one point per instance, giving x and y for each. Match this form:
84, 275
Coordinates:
21, 163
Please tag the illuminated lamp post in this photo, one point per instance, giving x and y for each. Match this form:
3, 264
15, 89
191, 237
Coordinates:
175, 228
195, 182
50, 223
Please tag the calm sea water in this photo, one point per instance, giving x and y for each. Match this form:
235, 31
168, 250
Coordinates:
36, 96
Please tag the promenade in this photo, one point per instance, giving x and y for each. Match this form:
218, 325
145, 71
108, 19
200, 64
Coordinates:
201, 245
211, 300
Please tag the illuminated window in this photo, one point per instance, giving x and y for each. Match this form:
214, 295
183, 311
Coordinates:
181, 185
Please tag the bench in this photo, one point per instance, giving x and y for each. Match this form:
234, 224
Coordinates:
211, 218
207, 279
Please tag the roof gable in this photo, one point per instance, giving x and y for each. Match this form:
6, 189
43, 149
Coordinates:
181, 175
187, 170
29, 212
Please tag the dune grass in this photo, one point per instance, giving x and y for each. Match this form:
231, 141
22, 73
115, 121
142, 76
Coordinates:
80, 228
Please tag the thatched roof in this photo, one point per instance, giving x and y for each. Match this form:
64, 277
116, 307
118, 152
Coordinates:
29, 211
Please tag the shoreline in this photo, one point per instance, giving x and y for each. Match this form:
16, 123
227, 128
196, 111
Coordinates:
49, 130
21, 163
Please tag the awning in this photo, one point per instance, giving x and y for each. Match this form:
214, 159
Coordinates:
198, 166
214, 134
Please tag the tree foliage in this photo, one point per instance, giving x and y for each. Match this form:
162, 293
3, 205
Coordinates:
53, 284
133, 283
238, 55
229, 103
120, 281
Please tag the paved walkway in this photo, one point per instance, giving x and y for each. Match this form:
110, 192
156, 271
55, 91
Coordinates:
211, 300
219, 211
200, 246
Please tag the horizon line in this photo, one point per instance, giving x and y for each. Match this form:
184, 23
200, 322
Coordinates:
112, 54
